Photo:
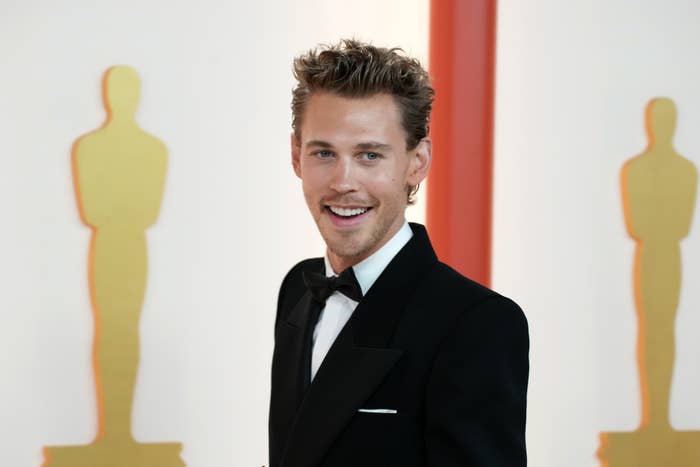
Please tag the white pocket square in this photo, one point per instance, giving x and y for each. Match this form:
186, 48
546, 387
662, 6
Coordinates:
390, 411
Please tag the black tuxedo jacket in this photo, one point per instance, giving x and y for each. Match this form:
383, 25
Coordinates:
448, 355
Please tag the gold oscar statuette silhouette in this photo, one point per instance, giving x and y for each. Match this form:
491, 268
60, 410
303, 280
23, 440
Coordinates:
119, 173
658, 189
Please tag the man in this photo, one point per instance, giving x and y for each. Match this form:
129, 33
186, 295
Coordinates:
383, 355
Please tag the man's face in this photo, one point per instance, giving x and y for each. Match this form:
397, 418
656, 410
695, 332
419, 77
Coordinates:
355, 171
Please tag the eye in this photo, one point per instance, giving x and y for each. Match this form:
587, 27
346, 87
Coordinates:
323, 154
370, 156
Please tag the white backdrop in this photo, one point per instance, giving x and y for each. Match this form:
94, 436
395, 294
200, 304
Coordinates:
573, 80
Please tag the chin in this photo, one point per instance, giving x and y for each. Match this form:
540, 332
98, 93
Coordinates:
348, 252
343, 247
348, 247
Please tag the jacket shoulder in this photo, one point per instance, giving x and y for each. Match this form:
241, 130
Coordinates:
448, 282
461, 295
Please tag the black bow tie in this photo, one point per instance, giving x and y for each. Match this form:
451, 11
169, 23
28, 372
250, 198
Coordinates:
321, 287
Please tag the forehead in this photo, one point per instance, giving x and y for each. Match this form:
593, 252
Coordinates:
338, 120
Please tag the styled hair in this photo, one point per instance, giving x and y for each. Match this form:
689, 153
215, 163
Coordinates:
352, 68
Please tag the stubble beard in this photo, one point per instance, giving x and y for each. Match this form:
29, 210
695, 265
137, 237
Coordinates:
349, 248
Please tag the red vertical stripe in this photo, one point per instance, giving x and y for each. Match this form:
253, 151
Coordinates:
462, 60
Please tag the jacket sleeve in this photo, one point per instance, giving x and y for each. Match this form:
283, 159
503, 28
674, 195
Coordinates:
477, 390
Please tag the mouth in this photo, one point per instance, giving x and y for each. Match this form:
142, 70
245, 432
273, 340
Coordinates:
347, 212
345, 217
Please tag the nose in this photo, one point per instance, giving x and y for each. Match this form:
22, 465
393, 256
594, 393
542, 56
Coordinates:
343, 176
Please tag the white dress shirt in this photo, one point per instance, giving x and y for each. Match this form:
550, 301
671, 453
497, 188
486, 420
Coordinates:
339, 308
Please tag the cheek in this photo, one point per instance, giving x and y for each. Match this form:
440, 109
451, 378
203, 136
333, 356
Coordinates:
311, 193
312, 180
387, 187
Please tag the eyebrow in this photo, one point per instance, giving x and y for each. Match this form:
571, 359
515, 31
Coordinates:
366, 146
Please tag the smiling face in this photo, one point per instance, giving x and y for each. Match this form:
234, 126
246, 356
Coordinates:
355, 171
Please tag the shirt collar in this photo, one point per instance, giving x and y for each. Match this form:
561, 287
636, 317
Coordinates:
368, 270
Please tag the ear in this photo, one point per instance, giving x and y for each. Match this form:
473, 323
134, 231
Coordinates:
296, 155
420, 161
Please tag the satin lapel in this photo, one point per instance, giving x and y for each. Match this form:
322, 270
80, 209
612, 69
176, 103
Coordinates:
360, 358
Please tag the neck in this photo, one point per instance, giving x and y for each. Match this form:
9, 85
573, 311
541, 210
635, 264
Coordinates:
341, 263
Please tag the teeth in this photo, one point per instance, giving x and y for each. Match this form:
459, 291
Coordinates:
347, 212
